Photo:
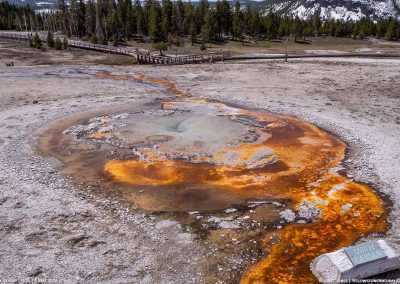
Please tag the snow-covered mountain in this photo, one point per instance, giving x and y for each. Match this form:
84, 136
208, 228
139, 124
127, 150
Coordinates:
336, 9
35, 4
333, 9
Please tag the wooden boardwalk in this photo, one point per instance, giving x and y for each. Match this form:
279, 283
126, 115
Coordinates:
185, 59
142, 56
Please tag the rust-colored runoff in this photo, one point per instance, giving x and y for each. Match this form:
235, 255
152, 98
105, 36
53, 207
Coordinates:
310, 157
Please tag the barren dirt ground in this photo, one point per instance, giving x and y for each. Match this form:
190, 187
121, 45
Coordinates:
50, 229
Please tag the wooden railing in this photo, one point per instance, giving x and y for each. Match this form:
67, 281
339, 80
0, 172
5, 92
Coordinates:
183, 59
107, 48
142, 56
18, 36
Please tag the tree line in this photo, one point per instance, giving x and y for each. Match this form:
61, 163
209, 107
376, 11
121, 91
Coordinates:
169, 22
13, 17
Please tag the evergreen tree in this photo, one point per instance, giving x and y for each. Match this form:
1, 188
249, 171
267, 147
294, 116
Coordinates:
391, 30
50, 39
155, 22
380, 29
179, 17
37, 42
115, 40
338, 29
207, 30
94, 39
297, 28
200, 13
161, 46
65, 43
281, 30
167, 26
104, 20
130, 20
192, 35
58, 44
81, 14
237, 25
90, 18
141, 27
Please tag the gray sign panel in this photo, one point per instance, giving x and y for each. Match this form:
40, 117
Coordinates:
365, 253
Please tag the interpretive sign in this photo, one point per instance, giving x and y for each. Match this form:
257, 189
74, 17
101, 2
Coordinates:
364, 253
357, 262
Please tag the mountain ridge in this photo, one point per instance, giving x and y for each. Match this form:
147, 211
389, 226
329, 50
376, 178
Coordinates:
325, 9
336, 9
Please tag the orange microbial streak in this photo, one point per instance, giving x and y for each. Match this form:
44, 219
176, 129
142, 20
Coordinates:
115, 77
170, 86
302, 169
289, 259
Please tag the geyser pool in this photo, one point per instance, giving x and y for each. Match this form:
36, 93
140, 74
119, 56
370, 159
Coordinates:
191, 155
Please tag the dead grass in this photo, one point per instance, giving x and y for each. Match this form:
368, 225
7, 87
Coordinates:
277, 46
21, 54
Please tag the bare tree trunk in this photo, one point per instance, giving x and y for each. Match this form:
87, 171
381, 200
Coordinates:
19, 23
26, 27
105, 28
70, 28
31, 23
53, 22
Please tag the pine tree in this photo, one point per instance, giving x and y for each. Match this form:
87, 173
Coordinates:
188, 20
154, 23
380, 29
65, 43
281, 30
58, 44
237, 25
203, 47
50, 39
391, 30
94, 39
81, 13
115, 40
90, 18
37, 42
193, 33
166, 24
169, 22
207, 30
141, 27
161, 46
130, 20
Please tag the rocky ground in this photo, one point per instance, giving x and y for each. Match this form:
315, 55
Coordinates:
51, 230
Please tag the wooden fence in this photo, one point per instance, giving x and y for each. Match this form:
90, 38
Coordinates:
142, 56
183, 59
